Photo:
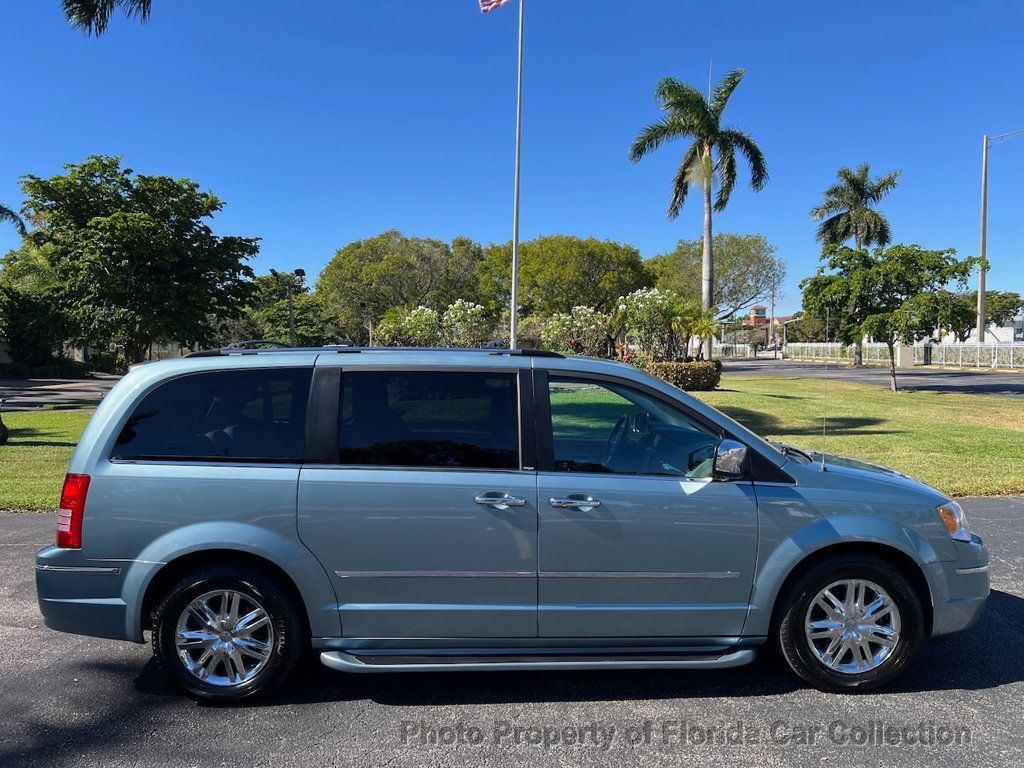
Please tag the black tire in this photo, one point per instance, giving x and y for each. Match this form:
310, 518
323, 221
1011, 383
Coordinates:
286, 644
797, 650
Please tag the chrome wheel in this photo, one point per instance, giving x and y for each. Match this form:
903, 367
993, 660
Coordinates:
852, 626
224, 638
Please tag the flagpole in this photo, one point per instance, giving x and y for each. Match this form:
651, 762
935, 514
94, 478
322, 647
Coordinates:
514, 323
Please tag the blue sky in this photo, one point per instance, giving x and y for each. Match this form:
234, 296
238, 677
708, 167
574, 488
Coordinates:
323, 122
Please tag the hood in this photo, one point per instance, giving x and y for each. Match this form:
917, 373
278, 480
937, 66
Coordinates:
856, 470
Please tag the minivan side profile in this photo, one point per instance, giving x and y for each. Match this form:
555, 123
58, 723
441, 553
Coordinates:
424, 510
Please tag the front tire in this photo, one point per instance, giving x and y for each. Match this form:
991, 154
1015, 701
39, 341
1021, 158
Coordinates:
850, 624
227, 633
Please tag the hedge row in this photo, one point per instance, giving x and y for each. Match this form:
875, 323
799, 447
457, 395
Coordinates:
696, 376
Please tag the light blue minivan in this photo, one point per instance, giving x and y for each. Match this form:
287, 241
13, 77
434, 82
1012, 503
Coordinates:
483, 509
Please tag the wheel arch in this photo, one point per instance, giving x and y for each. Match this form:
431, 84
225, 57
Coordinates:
267, 551
897, 558
178, 568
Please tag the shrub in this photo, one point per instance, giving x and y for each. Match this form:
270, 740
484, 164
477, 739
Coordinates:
419, 327
583, 331
465, 324
697, 376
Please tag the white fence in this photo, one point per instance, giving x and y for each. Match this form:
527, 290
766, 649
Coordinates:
730, 350
967, 355
971, 355
873, 352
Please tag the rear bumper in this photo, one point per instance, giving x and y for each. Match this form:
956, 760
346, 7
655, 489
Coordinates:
82, 596
959, 588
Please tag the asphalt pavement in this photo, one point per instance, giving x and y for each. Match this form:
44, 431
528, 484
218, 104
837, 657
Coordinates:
27, 394
963, 381
76, 701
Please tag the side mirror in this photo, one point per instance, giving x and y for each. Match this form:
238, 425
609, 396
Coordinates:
730, 460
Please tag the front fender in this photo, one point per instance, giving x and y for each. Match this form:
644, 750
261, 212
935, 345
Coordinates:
781, 557
305, 571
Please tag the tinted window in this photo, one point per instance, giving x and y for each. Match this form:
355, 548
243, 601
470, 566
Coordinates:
222, 415
429, 419
600, 427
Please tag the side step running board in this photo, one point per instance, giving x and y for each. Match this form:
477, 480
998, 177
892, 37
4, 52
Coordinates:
346, 662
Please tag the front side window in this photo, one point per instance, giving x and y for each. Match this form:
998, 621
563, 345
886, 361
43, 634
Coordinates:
257, 414
613, 428
443, 419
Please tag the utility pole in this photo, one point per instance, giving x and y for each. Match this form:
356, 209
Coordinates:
984, 233
289, 284
771, 327
513, 330
986, 142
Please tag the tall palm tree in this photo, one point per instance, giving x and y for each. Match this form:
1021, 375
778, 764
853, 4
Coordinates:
710, 158
847, 208
9, 214
93, 16
847, 212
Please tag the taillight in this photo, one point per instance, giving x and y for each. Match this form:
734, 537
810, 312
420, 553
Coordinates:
72, 507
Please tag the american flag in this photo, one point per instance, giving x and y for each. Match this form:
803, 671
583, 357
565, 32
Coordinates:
490, 5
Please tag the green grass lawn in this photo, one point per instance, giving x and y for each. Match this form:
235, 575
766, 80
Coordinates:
963, 444
33, 463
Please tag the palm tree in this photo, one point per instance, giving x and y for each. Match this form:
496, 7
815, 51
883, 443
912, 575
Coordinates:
710, 157
9, 214
846, 212
847, 209
92, 16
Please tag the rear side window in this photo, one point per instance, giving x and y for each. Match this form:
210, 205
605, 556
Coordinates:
250, 415
429, 419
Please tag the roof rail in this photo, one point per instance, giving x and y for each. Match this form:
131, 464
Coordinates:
245, 350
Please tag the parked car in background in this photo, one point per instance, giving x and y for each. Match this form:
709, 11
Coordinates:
483, 509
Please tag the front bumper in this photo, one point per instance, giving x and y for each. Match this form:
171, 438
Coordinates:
82, 596
959, 588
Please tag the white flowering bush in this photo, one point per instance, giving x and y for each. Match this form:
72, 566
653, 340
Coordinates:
583, 331
465, 324
648, 315
419, 327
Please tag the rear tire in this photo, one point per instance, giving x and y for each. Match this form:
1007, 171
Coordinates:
831, 637
225, 634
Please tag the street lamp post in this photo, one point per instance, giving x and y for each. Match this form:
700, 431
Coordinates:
785, 333
986, 142
290, 286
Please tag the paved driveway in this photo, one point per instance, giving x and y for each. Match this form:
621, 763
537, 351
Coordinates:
26, 394
934, 379
76, 701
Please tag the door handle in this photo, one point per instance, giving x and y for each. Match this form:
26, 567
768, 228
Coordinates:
575, 503
501, 502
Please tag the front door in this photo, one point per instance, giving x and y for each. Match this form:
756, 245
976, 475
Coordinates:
426, 522
636, 538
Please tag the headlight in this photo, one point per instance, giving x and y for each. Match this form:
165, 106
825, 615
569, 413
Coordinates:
955, 520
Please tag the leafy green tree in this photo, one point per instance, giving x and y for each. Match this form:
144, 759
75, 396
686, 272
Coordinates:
93, 16
368, 277
892, 294
559, 272
315, 324
33, 321
747, 271
962, 311
805, 327
135, 260
710, 158
11, 216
